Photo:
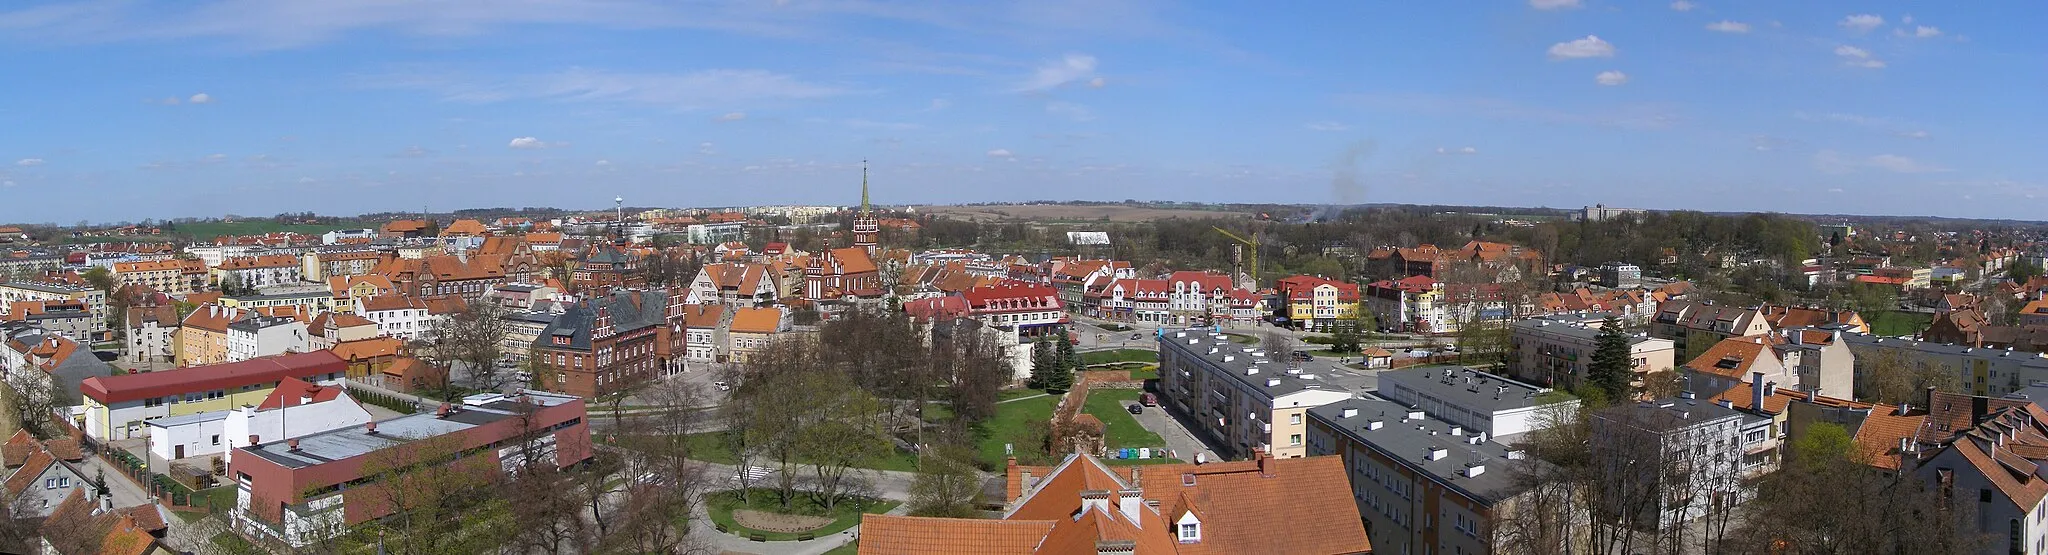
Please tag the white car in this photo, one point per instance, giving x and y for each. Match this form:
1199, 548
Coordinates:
1419, 353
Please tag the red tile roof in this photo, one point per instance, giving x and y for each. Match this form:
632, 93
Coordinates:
131, 387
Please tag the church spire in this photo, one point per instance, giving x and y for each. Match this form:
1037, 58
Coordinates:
863, 187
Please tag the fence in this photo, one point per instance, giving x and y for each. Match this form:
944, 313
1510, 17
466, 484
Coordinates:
393, 402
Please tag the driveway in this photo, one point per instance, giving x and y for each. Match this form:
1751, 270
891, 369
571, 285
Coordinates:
1184, 444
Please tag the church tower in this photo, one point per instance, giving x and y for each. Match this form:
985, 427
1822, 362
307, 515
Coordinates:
866, 229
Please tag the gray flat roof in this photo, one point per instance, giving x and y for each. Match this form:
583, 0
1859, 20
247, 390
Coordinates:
1411, 440
353, 441
1237, 359
1465, 387
1866, 340
45, 287
1571, 325
194, 418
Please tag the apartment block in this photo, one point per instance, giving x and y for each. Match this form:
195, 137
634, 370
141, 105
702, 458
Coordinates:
1243, 400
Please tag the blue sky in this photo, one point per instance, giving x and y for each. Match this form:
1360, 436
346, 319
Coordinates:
206, 107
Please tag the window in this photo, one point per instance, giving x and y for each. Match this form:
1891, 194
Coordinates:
63, 481
1190, 532
1294, 439
1984, 496
49, 483
216, 439
1294, 418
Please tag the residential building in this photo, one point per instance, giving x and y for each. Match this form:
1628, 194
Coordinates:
1242, 400
305, 302
522, 327
367, 357
1556, 350
1423, 484
1413, 303
42, 473
1601, 213
1022, 309
405, 229
396, 315
94, 300
203, 334
1788, 414
1316, 303
1993, 460
67, 318
1695, 326
1073, 278
1782, 317
1621, 275
328, 329
1085, 506
260, 271
522, 296
117, 406
704, 326
346, 289
462, 235
1672, 459
444, 275
262, 336
325, 265
611, 342
606, 267
1476, 401
167, 276
1980, 371
304, 489
715, 233
734, 284
151, 334
749, 329
31, 353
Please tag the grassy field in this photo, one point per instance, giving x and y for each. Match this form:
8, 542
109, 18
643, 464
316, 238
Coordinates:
1071, 213
846, 514
1119, 428
1009, 394
208, 230
1118, 355
850, 548
709, 447
1899, 323
1011, 424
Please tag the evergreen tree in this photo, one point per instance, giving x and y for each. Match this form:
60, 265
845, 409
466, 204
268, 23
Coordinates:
1041, 363
1065, 361
1610, 367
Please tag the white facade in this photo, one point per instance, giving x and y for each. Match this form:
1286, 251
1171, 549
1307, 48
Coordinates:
190, 435
260, 337
406, 323
150, 342
711, 234
212, 255
288, 422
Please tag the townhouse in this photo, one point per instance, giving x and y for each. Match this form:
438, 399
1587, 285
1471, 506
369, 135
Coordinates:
41, 474
1413, 303
94, 300
749, 330
346, 289
328, 329
151, 335
203, 335
262, 336
167, 276
1695, 326
704, 328
259, 271
734, 284
1022, 309
116, 407
396, 315
1242, 400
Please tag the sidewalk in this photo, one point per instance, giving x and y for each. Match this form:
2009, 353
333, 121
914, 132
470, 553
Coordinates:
892, 485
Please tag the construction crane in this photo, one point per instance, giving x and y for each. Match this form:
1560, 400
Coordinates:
1239, 255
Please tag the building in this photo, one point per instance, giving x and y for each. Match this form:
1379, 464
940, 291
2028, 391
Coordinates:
1672, 459
1601, 213
41, 474
1555, 350
1316, 303
837, 277
522, 327
307, 301
749, 329
704, 328
94, 300
1996, 454
1266, 505
444, 275
1242, 400
328, 329
1980, 371
1621, 275
203, 334
1023, 309
346, 289
308, 488
167, 276
151, 334
606, 267
117, 406
262, 336
1476, 401
28, 352
399, 316
260, 271
1424, 485
734, 284
1413, 303
295, 409
1695, 326
67, 318
715, 233
611, 342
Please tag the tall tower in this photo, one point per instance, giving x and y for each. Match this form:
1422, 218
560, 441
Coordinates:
866, 229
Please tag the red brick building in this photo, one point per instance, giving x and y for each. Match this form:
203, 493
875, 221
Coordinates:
610, 342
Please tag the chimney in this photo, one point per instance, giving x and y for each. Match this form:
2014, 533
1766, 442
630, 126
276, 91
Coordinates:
1129, 502
1811, 393
1757, 392
1265, 461
370, 427
1095, 499
255, 440
292, 444
1927, 397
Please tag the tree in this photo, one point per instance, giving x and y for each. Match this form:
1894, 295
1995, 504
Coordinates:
1042, 364
473, 337
99, 278
233, 286
32, 397
433, 494
946, 484
1065, 362
1825, 499
1344, 337
1893, 376
1873, 300
1278, 345
1612, 367
843, 430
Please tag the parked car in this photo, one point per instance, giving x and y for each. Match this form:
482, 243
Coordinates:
1137, 408
1302, 356
1135, 336
1149, 400
1419, 353
722, 386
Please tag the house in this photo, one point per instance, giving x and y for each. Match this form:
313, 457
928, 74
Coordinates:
367, 357
704, 326
734, 284
117, 406
262, 336
304, 489
750, 329
611, 342
1023, 309
1790, 413
1243, 401
1695, 326
34, 353
1991, 459
67, 318
94, 300
1476, 401
346, 289
331, 328
260, 270
464, 234
79, 525
1781, 317
1413, 303
150, 334
1316, 303
1085, 506
405, 229
1556, 350
295, 409
1423, 484
41, 473
396, 315
203, 334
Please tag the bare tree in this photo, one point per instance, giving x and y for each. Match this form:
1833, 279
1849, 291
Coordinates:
1278, 345
474, 337
32, 396
428, 495
946, 484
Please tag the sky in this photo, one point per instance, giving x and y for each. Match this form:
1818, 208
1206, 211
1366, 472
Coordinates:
116, 110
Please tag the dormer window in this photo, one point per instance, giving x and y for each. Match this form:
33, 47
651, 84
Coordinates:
1189, 529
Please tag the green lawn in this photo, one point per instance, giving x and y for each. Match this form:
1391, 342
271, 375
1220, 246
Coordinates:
1011, 424
1118, 355
845, 515
222, 497
206, 231
710, 447
1146, 372
1119, 428
1019, 393
849, 549
1898, 323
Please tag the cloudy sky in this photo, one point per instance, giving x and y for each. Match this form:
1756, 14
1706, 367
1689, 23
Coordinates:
126, 109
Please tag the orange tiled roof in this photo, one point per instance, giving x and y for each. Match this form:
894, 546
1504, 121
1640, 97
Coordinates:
364, 349
916, 535
756, 320
1733, 357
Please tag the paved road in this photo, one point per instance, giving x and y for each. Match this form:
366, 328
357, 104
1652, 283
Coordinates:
1184, 444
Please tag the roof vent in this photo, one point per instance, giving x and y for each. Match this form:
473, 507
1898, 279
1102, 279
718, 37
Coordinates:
1415, 414
292, 444
1273, 382
1474, 470
1350, 413
1437, 453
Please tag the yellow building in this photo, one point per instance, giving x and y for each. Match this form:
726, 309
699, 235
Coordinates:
1314, 302
203, 335
116, 407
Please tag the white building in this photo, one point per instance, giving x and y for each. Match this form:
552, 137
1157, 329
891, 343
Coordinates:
395, 315
1669, 458
337, 236
262, 336
295, 409
189, 435
712, 234
95, 301
212, 255
1477, 401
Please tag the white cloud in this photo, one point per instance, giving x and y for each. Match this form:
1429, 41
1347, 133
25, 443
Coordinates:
210, 158
414, 151
306, 180
1327, 126
602, 163
1052, 74
706, 148
1589, 47
1919, 32
1726, 26
733, 116
692, 90
200, 98
1096, 83
1915, 134
1683, 6
1461, 151
1900, 164
1001, 153
170, 101
529, 143
1857, 57
1611, 78
29, 162
1070, 110
1555, 4
1862, 22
